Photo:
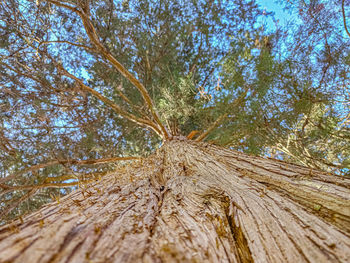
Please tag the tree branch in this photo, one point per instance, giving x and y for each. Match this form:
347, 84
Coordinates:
222, 118
115, 107
211, 128
344, 19
123, 97
13, 205
82, 177
65, 42
71, 162
46, 185
91, 32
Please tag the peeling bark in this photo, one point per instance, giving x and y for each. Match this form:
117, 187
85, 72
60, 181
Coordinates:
192, 202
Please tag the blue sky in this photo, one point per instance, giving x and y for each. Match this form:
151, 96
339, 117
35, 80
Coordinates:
283, 16
271, 5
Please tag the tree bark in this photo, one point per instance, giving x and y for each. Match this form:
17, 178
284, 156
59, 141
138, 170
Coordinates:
192, 202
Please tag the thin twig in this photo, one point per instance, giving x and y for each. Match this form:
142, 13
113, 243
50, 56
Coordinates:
344, 19
9, 208
65, 42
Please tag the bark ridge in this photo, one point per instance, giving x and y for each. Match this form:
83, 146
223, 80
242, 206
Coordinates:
192, 202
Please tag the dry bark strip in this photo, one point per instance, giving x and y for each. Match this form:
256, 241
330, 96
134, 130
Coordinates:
192, 202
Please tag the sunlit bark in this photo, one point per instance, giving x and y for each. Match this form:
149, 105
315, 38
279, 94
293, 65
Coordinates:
192, 202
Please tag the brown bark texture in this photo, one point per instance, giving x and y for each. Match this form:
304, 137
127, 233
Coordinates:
192, 202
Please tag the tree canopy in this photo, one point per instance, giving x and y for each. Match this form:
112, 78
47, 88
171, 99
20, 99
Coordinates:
90, 85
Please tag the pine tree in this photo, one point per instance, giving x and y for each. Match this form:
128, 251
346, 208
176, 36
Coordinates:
115, 100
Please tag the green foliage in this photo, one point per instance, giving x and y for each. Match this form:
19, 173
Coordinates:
284, 88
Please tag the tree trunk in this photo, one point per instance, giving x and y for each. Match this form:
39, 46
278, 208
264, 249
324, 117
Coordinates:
192, 202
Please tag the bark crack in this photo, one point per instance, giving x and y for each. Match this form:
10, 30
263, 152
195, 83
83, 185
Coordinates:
74, 250
22, 250
160, 180
242, 247
70, 235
